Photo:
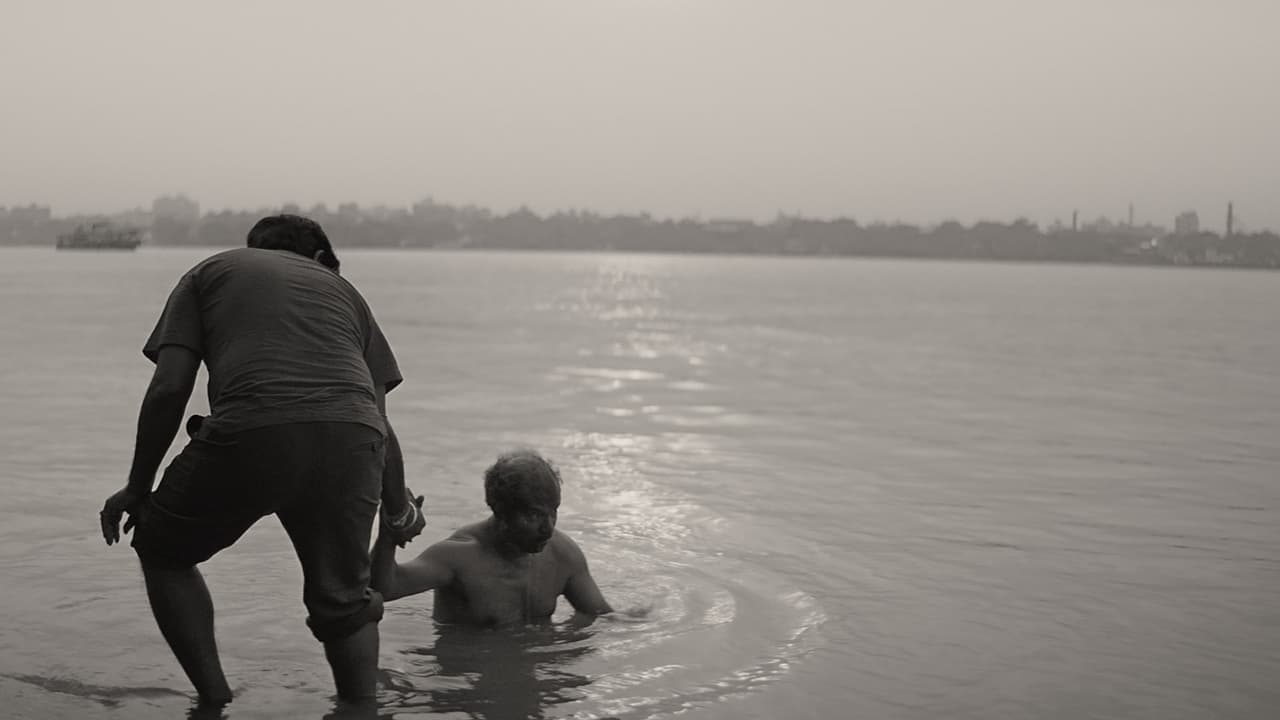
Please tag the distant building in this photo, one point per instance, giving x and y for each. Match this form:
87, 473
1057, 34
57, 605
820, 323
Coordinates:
1187, 223
26, 225
30, 215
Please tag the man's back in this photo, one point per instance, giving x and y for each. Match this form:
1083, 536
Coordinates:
285, 340
297, 372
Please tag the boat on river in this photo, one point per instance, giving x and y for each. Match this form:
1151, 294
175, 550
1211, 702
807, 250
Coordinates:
100, 236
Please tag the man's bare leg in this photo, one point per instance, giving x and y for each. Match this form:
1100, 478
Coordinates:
184, 611
354, 660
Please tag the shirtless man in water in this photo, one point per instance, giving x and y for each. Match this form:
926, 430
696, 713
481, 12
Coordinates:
509, 568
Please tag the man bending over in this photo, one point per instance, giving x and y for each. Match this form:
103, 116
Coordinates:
509, 568
298, 373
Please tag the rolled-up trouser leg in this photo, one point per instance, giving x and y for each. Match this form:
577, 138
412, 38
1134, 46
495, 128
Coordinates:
328, 624
330, 522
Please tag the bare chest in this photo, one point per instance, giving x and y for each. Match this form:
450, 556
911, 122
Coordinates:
494, 592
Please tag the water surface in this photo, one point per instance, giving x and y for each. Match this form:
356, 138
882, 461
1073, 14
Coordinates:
847, 488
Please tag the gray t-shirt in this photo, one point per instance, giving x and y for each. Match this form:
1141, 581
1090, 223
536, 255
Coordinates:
285, 339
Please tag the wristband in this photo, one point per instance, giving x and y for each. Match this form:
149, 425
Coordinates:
405, 520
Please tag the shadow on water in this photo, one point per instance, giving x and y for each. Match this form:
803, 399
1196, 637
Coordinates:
207, 712
105, 695
116, 700
490, 674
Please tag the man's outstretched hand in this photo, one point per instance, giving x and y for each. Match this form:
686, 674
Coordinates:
113, 510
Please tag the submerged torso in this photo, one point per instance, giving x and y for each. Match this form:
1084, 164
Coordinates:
489, 589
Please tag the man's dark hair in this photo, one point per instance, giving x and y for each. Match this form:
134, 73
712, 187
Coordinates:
296, 234
513, 469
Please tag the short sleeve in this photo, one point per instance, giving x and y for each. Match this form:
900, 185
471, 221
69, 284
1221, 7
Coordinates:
179, 324
383, 367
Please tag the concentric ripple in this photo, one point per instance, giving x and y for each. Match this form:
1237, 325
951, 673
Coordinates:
697, 624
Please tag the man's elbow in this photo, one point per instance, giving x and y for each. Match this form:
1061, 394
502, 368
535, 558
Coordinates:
167, 393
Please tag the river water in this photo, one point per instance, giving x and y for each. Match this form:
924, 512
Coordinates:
845, 488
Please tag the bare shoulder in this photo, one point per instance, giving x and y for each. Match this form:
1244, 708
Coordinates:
467, 533
567, 550
460, 542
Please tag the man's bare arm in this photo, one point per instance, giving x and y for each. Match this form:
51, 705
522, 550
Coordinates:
161, 412
158, 421
580, 589
430, 570
398, 503
394, 496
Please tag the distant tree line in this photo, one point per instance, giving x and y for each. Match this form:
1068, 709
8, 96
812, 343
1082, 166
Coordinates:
177, 221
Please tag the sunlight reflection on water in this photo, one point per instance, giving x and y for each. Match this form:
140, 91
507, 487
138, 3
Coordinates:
863, 488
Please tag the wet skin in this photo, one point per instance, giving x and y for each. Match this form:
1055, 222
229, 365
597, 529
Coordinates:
510, 568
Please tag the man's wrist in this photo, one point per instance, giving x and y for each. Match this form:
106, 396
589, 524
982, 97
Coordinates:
402, 520
138, 486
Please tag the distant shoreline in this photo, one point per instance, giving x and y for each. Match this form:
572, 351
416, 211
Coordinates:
724, 253
178, 222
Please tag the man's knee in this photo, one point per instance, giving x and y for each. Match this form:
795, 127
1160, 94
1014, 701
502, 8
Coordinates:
160, 565
332, 621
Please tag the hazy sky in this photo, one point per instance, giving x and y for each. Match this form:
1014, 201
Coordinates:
917, 110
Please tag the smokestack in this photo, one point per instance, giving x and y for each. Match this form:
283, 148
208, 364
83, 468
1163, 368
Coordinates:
1130, 214
1073, 221
1230, 218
